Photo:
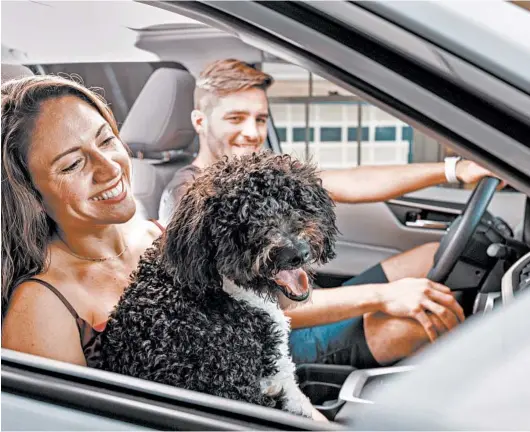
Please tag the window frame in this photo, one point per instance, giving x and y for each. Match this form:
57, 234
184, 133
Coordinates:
135, 401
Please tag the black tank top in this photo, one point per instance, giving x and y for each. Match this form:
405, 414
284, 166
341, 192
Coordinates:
90, 336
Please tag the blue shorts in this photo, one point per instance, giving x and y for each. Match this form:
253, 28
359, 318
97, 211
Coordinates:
341, 343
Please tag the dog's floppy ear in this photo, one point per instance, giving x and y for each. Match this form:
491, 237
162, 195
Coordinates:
187, 249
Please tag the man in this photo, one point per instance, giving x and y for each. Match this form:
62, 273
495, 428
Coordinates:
397, 310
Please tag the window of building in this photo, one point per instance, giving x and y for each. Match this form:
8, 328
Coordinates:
407, 133
352, 134
385, 133
299, 134
330, 134
282, 134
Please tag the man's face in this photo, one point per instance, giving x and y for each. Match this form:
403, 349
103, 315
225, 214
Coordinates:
235, 124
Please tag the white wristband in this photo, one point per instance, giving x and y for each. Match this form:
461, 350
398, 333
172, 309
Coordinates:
450, 169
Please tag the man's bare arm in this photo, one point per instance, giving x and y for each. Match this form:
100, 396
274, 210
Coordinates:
335, 304
419, 299
380, 183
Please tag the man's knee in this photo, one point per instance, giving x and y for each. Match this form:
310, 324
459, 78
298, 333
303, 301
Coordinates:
391, 339
430, 248
413, 263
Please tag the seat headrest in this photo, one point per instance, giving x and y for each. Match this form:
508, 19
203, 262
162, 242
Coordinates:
12, 71
160, 118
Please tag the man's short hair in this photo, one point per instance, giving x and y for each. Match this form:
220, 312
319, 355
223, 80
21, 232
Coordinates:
224, 77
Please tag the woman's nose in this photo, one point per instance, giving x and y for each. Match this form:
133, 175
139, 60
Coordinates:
105, 169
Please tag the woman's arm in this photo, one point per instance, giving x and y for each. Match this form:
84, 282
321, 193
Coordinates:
38, 323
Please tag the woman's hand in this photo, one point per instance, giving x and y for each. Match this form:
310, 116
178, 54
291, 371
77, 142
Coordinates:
429, 303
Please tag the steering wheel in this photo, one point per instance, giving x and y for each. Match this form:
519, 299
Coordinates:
458, 235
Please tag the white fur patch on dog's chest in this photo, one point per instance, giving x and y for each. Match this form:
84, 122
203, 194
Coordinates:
250, 297
284, 379
269, 385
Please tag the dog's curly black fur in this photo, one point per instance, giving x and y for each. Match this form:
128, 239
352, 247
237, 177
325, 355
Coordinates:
177, 324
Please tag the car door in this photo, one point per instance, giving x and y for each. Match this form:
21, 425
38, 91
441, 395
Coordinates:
43, 394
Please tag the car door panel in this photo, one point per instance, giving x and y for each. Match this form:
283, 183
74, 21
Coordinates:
508, 205
22, 413
373, 232
370, 233
59, 395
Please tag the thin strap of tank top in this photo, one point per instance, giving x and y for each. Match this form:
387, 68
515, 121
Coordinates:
61, 297
158, 224
57, 293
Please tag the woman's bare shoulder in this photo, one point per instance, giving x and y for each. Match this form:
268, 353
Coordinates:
37, 322
147, 229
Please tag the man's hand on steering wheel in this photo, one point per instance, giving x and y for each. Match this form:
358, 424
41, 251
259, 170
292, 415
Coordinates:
469, 172
428, 302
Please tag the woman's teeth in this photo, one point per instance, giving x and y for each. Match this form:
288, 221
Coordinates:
110, 194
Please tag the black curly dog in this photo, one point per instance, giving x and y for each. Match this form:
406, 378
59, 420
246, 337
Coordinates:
202, 312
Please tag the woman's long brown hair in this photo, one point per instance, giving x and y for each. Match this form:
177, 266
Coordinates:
26, 228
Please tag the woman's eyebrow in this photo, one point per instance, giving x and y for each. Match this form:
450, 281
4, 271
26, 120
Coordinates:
74, 149
64, 153
98, 133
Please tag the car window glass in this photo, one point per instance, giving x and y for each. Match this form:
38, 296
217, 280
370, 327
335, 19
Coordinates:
319, 121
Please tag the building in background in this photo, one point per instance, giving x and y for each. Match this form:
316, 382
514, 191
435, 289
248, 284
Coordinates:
315, 119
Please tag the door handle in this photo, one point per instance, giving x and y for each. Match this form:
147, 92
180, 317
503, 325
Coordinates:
428, 224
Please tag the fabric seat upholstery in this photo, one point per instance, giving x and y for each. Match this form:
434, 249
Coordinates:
158, 130
13, 71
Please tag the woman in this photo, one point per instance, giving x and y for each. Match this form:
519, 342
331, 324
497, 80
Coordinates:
70, 237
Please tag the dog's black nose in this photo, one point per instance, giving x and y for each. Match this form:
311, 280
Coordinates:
295, 255
305, 251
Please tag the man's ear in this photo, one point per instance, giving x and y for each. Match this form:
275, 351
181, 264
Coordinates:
199, 121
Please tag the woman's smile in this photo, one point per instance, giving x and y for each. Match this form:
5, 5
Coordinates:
112, 195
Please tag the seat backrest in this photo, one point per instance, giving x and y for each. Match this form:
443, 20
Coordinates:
12, 71
145, 184
158, 130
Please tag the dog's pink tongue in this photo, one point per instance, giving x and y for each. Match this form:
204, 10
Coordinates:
296, 281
